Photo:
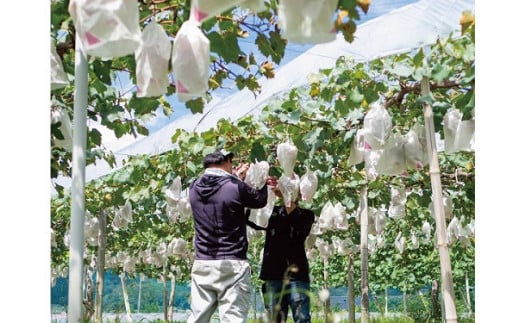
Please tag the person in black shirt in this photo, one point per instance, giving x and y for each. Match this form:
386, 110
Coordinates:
285, 268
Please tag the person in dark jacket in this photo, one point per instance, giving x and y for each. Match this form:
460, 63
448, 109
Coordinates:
221, 274
285, 268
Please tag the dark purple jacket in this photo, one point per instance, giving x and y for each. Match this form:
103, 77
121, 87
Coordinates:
217, 201
285, 244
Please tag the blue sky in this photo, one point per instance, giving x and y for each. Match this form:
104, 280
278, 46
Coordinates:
377, 8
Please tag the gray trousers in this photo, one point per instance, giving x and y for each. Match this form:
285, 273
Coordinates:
220, 284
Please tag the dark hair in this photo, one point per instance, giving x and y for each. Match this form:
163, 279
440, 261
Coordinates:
218, 157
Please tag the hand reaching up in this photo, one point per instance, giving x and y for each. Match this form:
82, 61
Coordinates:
241, 171
272, 181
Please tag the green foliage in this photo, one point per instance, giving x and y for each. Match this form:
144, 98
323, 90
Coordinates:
320, 118
229, 67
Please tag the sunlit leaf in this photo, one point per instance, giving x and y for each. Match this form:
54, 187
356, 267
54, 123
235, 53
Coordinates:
195, 105
356, 96
225, 44
402, 69
440, 72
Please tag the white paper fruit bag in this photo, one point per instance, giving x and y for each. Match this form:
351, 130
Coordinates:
465, 139
184, 209
308, 185
377, 126
458, 134
413, 150
257, 174
123, 216
451, 123
190, 61
177, 246
392, 160
307, 21
372, 159
340, 217
61, 116
420, 131
453, 231
326, 219
286, 154
357, 149
426, 229
173, 192
376, 220
253, 5
400, 242
152, 58
397, 206
261, 216
91, 230
333, 217
58, 76
289, 186
107, 28
202, 10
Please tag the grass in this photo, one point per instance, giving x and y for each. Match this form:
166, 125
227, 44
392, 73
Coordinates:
340, 317
380, 319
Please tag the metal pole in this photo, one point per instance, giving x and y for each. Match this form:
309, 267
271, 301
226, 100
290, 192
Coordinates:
77, 222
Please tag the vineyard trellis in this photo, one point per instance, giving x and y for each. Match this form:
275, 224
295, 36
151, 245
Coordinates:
322, 119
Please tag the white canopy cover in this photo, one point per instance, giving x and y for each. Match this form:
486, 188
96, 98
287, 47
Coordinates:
400, 30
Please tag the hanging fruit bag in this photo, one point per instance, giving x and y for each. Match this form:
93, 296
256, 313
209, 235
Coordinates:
152, 58
107, 28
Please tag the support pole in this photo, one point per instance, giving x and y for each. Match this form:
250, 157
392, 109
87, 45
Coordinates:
365, 314
351, 296
448, 294
100, 276
77, 222
139, 295
326, 303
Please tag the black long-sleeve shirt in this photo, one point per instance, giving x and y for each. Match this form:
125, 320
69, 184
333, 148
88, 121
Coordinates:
217, 201
285, 244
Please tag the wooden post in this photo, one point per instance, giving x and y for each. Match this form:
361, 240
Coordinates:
436, 308
171, 302
386, 301
254, 303
125, 297
165, 293
100, 277
326, 307
351, 295
448, 294
468, 297
139, 295
365, 314
405, 303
